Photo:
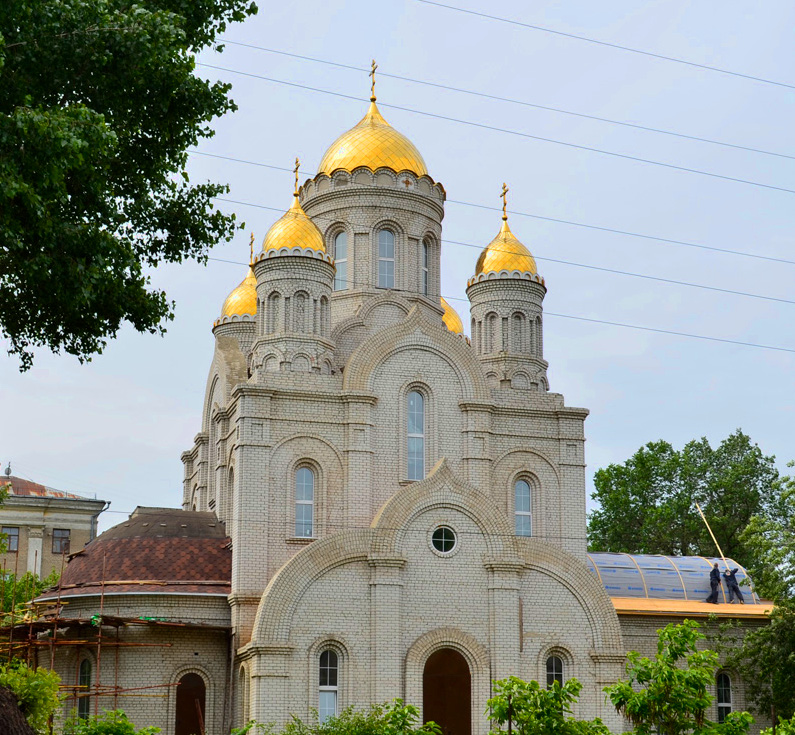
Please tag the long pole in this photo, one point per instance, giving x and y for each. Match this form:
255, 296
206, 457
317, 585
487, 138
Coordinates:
703, 518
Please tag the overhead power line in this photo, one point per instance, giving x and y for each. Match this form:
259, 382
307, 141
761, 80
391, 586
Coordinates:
638, 327
512, 101
554, 260
573, 223
508, 131
608, 44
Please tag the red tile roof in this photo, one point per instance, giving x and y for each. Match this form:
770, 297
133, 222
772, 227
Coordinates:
161, 550
20, 486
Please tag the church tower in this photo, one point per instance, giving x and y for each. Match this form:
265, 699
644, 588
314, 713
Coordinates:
294, 275
506, 295
380, 214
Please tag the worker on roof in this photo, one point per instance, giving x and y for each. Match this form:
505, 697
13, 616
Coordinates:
714, 583
731, 582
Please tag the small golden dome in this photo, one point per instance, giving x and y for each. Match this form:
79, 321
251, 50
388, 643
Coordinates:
243, 300
373, 142
505, 253
294, 229
450, 318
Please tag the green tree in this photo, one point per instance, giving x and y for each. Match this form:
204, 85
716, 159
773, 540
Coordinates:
535, 710
647, 505
16, 590
36, 691
765, 656
668, 694
108, 723
98, 108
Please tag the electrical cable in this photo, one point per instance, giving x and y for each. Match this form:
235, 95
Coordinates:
510, 100
608, 44
596, 321
552, 260
573, 223
508, 131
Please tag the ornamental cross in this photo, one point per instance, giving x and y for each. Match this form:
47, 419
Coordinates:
251, 248
372, 85
407, 183
504, 196
295, 171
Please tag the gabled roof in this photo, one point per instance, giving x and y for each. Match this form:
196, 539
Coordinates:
27, 488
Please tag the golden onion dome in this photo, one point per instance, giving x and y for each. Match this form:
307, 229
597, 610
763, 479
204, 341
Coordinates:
294, 229
243, 300
505, 253
373, 142
450, 318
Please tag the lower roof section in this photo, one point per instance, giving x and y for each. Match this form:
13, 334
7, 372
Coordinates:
689, 608
658, 577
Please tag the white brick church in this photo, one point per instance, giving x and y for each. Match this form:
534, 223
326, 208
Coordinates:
375, 506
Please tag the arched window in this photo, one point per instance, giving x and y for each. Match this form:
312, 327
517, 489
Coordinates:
554, 671
491, 333
328, 685
341, 261
84, 682
274, 313
425, 260
517, 335
304, 502
724, 696
324, 317
416, 435
523, 509
386, 259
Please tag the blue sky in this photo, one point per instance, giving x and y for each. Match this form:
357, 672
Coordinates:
116, 426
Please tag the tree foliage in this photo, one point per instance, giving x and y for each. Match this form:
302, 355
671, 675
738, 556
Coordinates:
647, 504
17, 589
668, 694
393, 718
535, 710
765, 656
98, 107
36, 691
113, 722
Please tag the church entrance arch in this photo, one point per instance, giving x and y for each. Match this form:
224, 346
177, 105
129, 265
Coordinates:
447, 692
191, 696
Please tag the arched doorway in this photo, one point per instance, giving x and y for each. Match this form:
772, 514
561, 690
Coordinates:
190, 705
447, 692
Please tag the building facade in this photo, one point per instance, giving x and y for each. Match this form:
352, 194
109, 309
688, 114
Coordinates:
403, 507
41, 525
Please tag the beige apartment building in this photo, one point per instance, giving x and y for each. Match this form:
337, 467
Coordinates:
42, 526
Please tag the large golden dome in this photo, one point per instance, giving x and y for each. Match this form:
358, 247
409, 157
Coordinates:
373, 142
243, 300
450, 318
505, 253
294, 229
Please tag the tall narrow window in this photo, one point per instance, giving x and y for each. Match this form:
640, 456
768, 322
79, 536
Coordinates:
523, 508
84, 683
724, 696
11, 534
554, 671
425, 258
328, 685
386, 259
416, 436
60, 540
304, 502
341, 261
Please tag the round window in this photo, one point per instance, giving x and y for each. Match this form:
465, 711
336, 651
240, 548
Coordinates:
443, 539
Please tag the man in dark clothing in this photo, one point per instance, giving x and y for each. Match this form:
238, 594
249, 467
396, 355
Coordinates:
714, 583
731, 583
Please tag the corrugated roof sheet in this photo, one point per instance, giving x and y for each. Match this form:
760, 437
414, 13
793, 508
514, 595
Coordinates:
660, 577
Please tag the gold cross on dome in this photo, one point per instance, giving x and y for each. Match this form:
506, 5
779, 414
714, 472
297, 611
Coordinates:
295, 171
374, 66
251, 248
504, 196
